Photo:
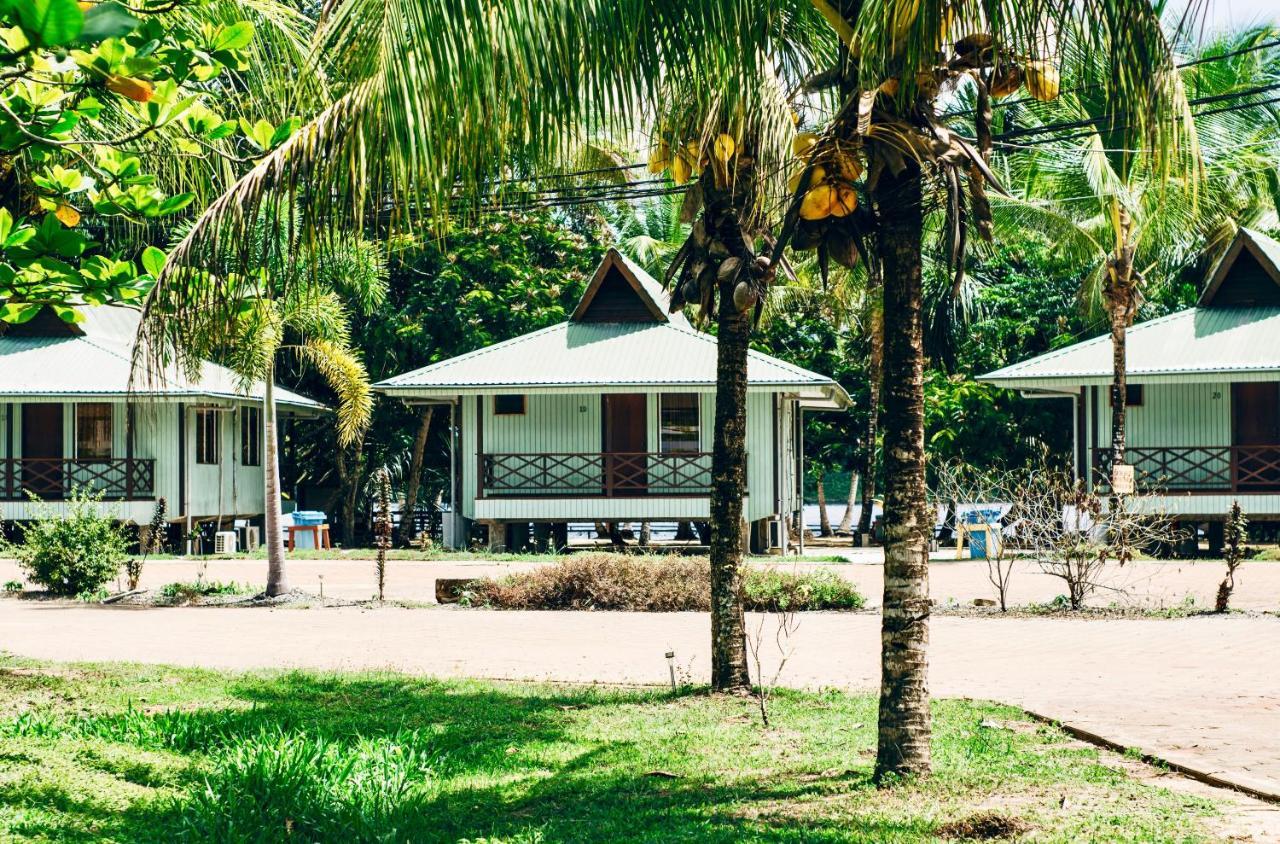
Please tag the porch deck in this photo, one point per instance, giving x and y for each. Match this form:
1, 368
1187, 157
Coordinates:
1197, 469
595, 475
53, 478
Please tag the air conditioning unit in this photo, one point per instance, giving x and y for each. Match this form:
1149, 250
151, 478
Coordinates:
224, 542
250, 538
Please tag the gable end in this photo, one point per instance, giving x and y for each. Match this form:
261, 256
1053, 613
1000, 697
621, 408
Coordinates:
1246, 276
616, 295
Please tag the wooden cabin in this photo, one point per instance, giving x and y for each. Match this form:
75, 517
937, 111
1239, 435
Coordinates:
68, 419
1203, 417
608, 417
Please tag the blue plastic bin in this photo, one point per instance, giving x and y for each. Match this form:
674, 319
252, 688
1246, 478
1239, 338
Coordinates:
309, 517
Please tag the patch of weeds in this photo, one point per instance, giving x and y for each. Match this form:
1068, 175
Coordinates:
185, 592
984, 826
12, 587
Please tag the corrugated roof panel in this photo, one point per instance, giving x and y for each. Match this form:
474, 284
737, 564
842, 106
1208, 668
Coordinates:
1211, 340
599, 354
100, 364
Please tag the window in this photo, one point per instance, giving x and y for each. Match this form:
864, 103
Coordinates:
93, 431
251, 436
508, 405
678, 422
1132, 395
208, 436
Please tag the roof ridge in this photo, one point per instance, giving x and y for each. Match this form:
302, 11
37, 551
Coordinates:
474, 353
795, 369
1054, 354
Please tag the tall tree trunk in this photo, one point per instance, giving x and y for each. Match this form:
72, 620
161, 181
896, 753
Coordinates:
904, 690
277, 582
876, 379
846, 521
1121, 295
349, 472
729, 450
415, 476
824, 519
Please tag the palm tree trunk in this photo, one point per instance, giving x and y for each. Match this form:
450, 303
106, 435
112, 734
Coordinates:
415, 476
824, 519
1119, 385
729, 448
349, 474
904, 690
277, 582
1121, 295
846, 521
876, 379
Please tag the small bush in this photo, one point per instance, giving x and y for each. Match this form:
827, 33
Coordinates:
202, 589
75, 553
781, 591
654, 584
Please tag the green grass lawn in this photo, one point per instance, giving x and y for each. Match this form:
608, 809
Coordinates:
138, 753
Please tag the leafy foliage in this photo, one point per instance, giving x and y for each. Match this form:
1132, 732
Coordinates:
76, 552
84, 88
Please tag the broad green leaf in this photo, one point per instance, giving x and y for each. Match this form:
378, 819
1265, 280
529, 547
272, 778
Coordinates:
106, 20
153, 260
176, 203
6, 225
51, 23
18, 312
67, 314
235, 37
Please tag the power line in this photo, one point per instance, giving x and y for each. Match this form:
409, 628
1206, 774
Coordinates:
1080, 89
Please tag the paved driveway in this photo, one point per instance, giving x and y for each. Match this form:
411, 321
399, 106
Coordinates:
1147, 584
1204, 692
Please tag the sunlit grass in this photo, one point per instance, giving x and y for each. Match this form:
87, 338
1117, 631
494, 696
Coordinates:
132, 753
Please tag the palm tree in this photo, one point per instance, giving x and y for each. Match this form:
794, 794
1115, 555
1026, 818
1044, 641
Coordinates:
296, 305
429, 102
1111, 204
901, 54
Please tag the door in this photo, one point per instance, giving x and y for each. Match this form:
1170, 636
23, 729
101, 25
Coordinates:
1255, 435
42, 449
625, 419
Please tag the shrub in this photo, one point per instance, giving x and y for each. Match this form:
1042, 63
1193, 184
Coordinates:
782, 591
179, 591
73, 553
654, 584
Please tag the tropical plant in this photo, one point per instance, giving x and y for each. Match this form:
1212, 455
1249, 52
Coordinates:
296, 304
90, 94
432, 102
74, 548
1129, 216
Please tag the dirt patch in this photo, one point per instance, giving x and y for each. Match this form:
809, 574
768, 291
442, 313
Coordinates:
984, 826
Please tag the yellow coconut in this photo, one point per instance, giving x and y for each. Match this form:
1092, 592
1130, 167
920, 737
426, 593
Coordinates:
817, 202
680, 170
1042, 80
804, 143
694, 154
847, 165
815, 178
725, 146
904, 15
660, 158
844, 200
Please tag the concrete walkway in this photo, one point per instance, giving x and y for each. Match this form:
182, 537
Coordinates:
1202, 692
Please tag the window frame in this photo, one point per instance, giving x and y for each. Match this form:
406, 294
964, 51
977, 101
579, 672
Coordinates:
697, 423
1130, 391
208, 439
251, 436
108, 421
524, 404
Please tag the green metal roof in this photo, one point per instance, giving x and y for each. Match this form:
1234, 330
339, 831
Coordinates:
608, 356
99, 364
1197, 344
1234, 334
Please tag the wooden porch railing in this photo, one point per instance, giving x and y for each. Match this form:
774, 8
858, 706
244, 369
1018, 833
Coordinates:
606, 475
1208, 469
53, 478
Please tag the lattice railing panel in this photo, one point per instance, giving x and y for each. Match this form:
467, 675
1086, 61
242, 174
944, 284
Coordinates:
596, 475
52, 479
